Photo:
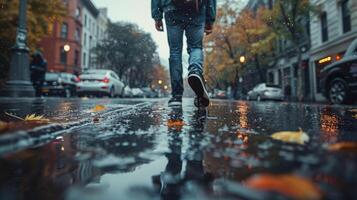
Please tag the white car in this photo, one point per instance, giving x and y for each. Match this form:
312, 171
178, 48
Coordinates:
265, 91
128, 92
137, 92
99, 83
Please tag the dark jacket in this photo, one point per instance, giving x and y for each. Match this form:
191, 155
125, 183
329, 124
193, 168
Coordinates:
38, 68
159, 7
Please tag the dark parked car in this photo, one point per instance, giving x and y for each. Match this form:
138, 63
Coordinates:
338, 81
60, 84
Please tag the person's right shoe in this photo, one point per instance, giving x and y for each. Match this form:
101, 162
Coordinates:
175, 101
197, 83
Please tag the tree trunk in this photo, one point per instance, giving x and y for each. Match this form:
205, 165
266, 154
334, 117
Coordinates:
260, 72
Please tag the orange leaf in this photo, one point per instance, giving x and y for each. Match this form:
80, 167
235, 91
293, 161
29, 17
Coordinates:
343, 146
292, 186
3, 126
98, 108
175, 123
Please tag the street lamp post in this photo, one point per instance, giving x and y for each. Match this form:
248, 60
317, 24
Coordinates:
66, 49
19, 83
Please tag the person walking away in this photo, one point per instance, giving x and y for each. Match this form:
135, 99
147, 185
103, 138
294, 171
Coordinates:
194, 18
38, 68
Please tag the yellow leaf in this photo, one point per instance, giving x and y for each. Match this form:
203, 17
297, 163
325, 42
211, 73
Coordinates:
98, 108
354, 110
37, 118
289, 185
354, 116
298, 137
344, 146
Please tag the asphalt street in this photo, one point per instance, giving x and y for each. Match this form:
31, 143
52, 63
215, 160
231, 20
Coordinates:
142, 149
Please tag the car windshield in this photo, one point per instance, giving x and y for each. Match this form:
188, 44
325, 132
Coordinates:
273, 86
96, 72
52, 76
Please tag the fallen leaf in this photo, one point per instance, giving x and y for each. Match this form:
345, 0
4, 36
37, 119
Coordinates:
98, 108
292, 186
176, 124
353, 110
344, 146
36, 118
354, 116
298, 137
3, 126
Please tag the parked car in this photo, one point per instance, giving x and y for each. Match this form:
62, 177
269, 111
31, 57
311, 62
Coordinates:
99, 83
59, 84
265, 91
128, 93
149, 93
137, 92
338, 81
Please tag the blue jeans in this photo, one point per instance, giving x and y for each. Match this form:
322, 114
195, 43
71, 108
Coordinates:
193, 27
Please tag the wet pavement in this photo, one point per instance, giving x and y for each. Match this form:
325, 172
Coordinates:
144, 150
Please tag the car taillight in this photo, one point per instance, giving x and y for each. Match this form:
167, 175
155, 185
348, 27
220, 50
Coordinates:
77, 80
106, 80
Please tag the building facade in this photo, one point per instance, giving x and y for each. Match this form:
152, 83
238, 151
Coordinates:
69, 46
62, 47
95, 23
333, 29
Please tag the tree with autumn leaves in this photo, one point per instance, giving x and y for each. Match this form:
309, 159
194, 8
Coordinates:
236, 35
41, 15
253, 34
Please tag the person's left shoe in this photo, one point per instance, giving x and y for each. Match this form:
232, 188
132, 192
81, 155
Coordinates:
197, 83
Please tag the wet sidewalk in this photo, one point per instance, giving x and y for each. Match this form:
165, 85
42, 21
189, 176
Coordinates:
144, 150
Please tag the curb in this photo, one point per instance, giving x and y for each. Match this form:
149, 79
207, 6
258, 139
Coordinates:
20, 140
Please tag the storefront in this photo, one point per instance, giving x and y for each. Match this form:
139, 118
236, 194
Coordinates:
322, 57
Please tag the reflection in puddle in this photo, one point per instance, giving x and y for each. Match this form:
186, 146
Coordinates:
329, 124
243, 115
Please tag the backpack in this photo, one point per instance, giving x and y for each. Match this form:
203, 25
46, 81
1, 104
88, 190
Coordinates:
188, 4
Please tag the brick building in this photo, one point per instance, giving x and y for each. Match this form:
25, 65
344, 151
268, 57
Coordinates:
62, 48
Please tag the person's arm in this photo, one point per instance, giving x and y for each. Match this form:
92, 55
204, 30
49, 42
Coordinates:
211, 6
156, 10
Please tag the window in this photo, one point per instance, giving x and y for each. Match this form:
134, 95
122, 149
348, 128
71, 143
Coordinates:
78, 12
324, 27
63, 56
85, 40
346, 16
77, 34
84, 59
76, 58
85, 20
64, 31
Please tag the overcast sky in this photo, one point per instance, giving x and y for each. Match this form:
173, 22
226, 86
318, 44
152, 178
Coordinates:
139, 12
136, 11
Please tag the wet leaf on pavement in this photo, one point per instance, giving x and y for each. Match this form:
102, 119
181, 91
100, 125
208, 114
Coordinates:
98, 108
290, 185
3, 126
344, 146
36, 118
176, 124
298, 137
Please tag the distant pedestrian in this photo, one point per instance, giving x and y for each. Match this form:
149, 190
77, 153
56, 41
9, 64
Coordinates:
38, 68
287, 92
194, 18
